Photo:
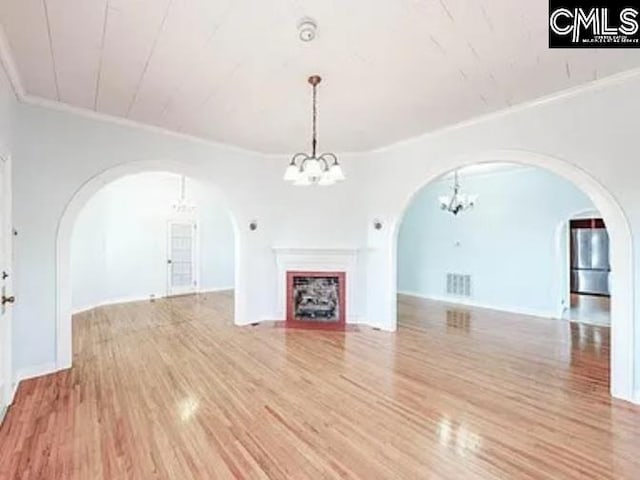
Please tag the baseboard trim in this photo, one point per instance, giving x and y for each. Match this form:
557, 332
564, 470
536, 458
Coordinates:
470, 303
115, 301
35, 371
216, 290
29, 373
147, 298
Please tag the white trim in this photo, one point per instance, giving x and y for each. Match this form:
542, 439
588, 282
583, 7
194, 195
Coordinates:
7, 252
55, 105
35, 371
529, 312
9, 66
557, 96
32, 372
215, 290
141, 298
7, 60
115, 301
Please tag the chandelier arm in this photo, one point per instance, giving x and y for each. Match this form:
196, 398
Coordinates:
331, 156
297, 156
323, 158
305, 159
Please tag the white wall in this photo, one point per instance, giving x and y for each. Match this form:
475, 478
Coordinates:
509, 243
590, 134
59, 152
119, 244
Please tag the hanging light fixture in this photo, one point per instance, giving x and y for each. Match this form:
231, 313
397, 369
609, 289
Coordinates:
182, 206
314, 169
458, 202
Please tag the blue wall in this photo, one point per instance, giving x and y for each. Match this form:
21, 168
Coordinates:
513, 243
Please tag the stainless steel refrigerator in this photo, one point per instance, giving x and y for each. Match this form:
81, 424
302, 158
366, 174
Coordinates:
590, 267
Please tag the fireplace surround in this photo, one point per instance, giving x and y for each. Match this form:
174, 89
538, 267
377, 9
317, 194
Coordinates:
321, 260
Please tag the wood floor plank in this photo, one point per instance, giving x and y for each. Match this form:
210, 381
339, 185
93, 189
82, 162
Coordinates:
173, 390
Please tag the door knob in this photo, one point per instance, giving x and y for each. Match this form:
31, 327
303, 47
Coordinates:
6, 299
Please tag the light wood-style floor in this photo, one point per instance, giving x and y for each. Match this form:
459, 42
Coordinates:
171, 390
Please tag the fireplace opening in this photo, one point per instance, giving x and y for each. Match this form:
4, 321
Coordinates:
316, 297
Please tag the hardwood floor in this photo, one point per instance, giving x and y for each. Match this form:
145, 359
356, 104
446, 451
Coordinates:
590, 309
171, 390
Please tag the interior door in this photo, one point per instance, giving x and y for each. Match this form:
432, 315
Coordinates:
182, 258
6, 271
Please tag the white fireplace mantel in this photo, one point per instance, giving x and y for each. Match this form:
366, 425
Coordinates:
348, 260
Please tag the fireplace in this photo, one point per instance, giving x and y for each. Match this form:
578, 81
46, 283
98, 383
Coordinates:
317, 298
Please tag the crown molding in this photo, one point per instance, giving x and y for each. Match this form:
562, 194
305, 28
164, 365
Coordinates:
55, 105
575, 91
7, 61
9, 66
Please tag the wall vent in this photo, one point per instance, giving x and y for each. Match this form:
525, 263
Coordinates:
459, 284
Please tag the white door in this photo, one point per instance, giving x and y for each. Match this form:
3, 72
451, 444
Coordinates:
181, 262
6, 272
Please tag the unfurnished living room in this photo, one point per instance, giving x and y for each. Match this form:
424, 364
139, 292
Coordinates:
330, 239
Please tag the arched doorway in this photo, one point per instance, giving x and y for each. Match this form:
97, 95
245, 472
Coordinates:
622, 282
64, 304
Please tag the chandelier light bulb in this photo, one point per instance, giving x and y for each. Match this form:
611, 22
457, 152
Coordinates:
326, 179
336, 172
302, 181
312, 168
292, 173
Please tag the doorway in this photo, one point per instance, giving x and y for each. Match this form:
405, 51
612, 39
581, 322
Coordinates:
622, 336
590, 271
182, 271
148, 236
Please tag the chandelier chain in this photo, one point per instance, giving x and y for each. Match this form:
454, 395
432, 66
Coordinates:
314, 141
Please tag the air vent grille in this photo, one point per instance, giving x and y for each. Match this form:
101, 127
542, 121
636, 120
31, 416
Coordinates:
459, 284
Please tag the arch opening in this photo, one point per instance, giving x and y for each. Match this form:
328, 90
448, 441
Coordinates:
622, 352
67, 225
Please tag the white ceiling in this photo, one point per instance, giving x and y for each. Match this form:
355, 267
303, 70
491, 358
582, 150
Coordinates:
234, 70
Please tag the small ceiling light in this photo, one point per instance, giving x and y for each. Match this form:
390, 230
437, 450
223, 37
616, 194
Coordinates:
307, 30
458, 202
314, 169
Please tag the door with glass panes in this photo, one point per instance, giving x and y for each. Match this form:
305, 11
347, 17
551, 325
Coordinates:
181, 261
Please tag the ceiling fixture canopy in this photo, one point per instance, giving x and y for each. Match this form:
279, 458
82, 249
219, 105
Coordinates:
458, 202
305, 169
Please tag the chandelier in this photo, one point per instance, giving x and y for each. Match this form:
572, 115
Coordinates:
458, 202
314, 169
182, 206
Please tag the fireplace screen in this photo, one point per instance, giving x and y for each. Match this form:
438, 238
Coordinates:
316, 297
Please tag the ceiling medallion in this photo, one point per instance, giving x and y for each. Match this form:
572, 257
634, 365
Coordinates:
314, 169
458, 202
